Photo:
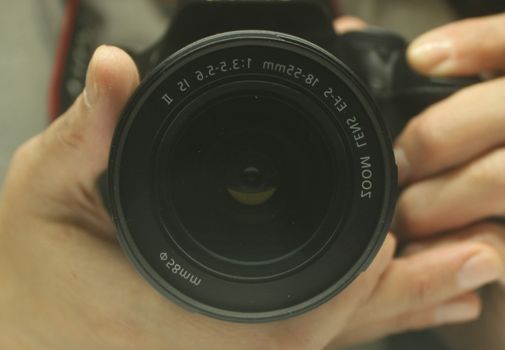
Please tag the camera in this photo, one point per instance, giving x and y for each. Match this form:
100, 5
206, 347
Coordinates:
251, 175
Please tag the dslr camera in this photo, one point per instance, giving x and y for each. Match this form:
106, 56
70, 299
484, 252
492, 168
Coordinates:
251, 176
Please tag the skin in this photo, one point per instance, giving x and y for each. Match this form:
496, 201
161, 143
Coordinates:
65, 284
452, 160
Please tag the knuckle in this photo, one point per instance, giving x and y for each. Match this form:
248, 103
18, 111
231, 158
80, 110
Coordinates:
24, 155
490, 171
421, 290
66, 135
20, 154
427, 137
23, 166
409, 217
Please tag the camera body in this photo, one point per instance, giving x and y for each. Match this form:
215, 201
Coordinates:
375, 55
251, 176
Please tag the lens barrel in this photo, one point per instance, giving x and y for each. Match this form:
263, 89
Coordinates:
251, 177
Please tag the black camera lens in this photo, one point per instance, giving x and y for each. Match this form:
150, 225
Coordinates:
251, 180
250, 177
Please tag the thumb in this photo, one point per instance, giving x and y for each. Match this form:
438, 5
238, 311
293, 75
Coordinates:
467, 47
79, 140
57, 170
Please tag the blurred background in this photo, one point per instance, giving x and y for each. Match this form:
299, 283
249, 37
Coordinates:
29, 32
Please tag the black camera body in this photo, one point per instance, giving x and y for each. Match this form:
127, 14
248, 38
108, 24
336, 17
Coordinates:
375, 55
251, 176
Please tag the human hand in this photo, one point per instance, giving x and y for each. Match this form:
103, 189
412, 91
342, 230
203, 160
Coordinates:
487, 332
452, 160
66, 284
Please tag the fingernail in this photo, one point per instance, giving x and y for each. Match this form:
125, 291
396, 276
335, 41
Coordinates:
478, 271
453, 312
91, 89
431, 54
402, 164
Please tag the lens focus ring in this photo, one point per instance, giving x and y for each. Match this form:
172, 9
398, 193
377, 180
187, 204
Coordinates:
235, 177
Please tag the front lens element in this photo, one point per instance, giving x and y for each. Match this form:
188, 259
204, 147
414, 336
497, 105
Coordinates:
251, 177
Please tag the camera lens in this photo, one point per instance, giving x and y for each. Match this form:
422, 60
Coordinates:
251, 178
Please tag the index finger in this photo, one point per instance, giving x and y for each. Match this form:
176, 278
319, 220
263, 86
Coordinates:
452, 132
466, 47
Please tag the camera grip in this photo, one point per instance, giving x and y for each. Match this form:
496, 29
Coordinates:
402, 103
379, 59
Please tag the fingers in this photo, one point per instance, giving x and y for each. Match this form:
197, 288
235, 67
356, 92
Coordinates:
345, 24
460, 309
428, 285
74, 150
452, 132
489, 234
430, 276
463, 308
462, 48
315, 329
54, 174
453, 199
487, 333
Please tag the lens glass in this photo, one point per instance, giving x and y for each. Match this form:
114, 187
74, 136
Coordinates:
250, 178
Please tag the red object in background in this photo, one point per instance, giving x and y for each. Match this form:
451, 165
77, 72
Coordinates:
62, 51
67, 33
